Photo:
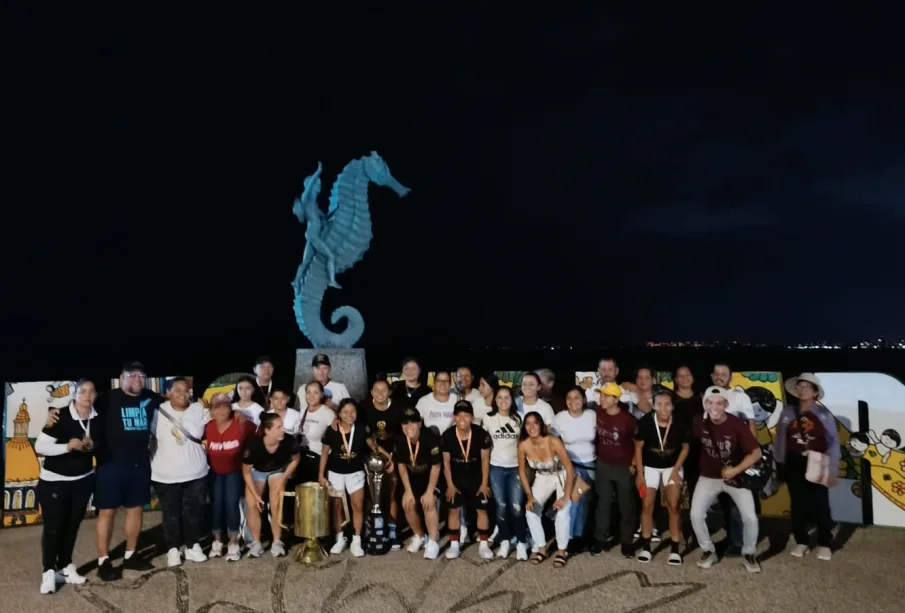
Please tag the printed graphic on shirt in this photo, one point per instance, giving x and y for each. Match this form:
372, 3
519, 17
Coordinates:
507, 431
135, 419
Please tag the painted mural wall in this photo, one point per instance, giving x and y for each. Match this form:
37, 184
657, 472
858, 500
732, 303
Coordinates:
27, 404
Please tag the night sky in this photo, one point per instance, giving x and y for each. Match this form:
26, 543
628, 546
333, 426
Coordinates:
581, 176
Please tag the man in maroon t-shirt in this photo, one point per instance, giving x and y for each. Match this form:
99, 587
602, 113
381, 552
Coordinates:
727, 449
614, 471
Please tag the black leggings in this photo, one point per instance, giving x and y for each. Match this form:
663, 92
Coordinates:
810, 504
182, 506
63, 506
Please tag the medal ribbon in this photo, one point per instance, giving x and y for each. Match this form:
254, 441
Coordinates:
466, 451
413, 454
665, 434
348, 443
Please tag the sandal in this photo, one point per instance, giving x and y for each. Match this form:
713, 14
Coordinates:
537, 558
560, 560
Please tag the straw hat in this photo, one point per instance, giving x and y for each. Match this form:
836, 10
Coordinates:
811, 378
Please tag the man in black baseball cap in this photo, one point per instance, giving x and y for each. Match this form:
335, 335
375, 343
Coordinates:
334, 391
417, 458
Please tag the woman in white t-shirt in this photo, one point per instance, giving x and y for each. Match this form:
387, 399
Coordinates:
503, 424
179, 470
243, 400
530, 401
487, 387
577, 427
315, 418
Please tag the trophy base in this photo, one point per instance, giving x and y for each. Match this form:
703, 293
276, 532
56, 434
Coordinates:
309, 552
378, 541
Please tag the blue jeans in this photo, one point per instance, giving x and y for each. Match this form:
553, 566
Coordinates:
510, 503
579, 510
226, 491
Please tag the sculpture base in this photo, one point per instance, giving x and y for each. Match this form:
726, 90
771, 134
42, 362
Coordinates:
377, 540
348, 366
309, 552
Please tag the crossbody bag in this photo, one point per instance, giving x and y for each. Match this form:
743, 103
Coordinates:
152, 442
756, 476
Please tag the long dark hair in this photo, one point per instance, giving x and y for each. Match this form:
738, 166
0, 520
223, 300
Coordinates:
513, 410
580, 392
257, 395
523, 434
319, 385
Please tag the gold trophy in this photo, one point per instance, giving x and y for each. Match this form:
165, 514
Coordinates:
312, 521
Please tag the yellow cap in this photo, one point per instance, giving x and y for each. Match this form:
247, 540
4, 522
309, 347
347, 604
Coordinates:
611, 389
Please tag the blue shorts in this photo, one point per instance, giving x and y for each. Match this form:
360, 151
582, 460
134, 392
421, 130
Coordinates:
259, 477
122, 484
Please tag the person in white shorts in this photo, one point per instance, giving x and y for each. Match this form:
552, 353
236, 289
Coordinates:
661, 446
342, 469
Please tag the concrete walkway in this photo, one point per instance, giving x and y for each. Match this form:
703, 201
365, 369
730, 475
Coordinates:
865, 575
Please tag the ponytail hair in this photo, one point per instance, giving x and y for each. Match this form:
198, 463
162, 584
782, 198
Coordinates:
267, 420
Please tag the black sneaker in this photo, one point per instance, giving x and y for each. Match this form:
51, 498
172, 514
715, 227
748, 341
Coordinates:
395, 545
138, 564
751, 564
106, 572
708, 559
595, 548
628, 551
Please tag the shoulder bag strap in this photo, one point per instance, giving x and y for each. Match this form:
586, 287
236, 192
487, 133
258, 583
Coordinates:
179, 426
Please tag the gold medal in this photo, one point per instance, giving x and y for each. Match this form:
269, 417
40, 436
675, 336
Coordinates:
88, 443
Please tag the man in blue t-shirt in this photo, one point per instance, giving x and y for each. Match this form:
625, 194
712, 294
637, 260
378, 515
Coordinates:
123, 465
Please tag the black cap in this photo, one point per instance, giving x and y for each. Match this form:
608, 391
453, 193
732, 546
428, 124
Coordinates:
262, 359
320, 359
411, 416
133, 366
463, 406
661, 390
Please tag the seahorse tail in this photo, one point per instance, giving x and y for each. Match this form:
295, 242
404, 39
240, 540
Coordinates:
355, 326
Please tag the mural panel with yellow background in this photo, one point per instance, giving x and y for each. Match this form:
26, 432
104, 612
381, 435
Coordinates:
27, 404
885, 396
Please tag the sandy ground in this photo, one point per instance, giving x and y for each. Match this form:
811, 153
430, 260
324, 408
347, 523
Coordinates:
866, 573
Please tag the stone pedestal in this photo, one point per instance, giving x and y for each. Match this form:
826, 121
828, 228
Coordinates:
346, 366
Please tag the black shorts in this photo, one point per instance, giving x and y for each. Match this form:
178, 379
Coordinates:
468, 495
419, 486
122, 484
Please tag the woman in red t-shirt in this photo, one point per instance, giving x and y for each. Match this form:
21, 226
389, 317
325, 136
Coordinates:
225, 439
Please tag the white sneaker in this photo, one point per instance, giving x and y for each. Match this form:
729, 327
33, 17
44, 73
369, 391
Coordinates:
824, 553
799, 551
492, 539
503, 551
233, 553
356, 549
339, 546
173, 558
216, 549
49, 582
256, 550
431, 550
415, 544
485, 551
463, 535
195, 554
69, 575
277, 549
454, 551
521, 552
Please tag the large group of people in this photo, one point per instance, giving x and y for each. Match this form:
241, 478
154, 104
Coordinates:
550, 475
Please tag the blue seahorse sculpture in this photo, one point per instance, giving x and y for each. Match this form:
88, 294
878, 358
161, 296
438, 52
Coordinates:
334, 242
